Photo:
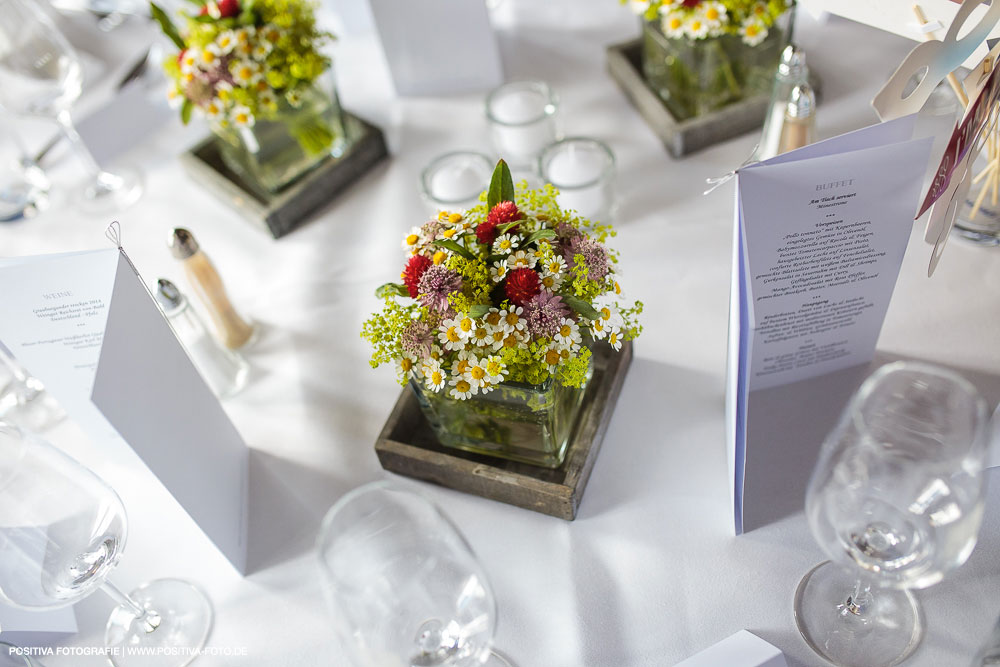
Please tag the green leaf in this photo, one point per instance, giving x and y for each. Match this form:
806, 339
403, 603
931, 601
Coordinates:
541, 234
495, 258
501, 185
186, 110
391, 289
507, 226
166, 25
582, 307
455, 248
478, 310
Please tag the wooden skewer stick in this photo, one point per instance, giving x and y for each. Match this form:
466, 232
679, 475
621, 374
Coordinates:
990, 168
952, 79
979, 202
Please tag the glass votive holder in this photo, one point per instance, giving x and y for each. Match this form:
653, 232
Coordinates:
453, 181
583, 170
24, 186
522, 117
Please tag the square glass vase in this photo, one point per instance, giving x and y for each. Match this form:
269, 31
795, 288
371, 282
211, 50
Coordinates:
694, 77
520, 422
278, 151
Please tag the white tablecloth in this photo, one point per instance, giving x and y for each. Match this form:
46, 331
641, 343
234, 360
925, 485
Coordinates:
649, 573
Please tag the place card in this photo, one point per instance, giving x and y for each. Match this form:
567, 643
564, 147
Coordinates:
87, 327
744, 649
819, 238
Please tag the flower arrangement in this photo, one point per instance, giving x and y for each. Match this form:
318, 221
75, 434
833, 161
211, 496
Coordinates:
704, 19
240, 61
512, 290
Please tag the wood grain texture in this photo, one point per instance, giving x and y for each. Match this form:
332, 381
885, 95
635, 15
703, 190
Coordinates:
281, 212
407, 446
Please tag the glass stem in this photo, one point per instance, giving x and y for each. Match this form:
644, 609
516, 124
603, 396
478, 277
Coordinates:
66, 123
149, 618
860, 599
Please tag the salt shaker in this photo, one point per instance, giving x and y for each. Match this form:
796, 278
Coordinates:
799, 126
233, 330
792, 71
224, 371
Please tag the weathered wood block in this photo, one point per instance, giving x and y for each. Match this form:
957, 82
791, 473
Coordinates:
281, 212
407, 446
687, 136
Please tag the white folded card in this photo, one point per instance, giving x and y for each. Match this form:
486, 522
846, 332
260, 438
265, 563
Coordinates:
819, 238
743, 649
86, 326
438, 47
35, 628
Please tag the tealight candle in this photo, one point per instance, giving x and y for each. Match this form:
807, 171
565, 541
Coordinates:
453, 181
583, 170
522, 118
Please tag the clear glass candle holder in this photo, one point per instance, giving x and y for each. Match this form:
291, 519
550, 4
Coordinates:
24, 187
452, 182
583, 170
523, 120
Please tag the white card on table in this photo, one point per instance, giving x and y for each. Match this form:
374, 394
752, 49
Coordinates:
84, 324
820, 235
744, 649
438, 47
35, 628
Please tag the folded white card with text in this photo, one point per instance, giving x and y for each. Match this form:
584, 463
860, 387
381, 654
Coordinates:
86, 326
819, 238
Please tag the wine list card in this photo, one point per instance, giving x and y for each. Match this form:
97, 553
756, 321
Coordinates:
820, 235
85, 325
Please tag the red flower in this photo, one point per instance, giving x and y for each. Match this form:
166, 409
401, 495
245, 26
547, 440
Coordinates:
502, 213
691, 3
180, 56
227, 8
522, 285
414, 270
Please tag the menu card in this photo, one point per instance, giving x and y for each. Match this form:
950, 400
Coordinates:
820, 235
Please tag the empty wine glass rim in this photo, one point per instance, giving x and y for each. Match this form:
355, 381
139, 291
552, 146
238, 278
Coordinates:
436, 163
918, 368
590, 143
548, 109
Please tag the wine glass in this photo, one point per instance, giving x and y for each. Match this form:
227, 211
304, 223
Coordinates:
23, 399
405, 587
10, 657
62, 531
40, 75
895, 500
24, 187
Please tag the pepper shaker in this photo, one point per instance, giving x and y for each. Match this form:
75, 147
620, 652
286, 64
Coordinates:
792, 71
232, 329
799, 127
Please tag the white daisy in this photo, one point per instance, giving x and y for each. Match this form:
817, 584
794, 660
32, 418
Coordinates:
466, 327
554, 266
513, 319
598, 329
696, 27
293, 98
245, 72
495, 369
714, 14
225, 42
224, 91
522, 259
267, 99
482, 335
213, 109
552, 282
208, 58
261, 50
499, 270
461, 389
449, 335
754, 31
242, 117
639, 6
615, 338
406, 367
611, 317
434, 376
505, 244
413, 239
552, 357
476, 372
270, 33
175, 98
189, 61
568, 335
673, 25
